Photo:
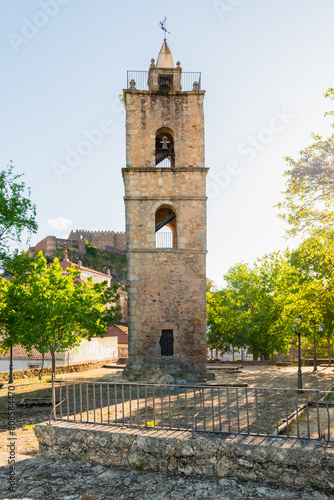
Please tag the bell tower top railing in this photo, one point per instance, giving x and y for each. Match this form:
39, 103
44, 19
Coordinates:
162, 75
138, 80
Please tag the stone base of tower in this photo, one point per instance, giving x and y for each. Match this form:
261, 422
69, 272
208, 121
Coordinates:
156, 371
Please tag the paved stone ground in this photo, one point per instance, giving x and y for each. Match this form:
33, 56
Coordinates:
41, 478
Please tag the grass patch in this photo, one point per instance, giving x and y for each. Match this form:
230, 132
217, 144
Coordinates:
140, 465
28, 427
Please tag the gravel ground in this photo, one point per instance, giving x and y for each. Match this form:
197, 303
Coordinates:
280, 377
259, 376
41, 478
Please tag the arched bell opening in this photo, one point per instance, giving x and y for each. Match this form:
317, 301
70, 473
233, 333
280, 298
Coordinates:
164, 148
165, 82
165, 228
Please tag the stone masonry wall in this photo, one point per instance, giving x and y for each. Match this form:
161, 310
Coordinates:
281, 462
182, 112
73, 367
166, 286
104, 240
183, 190
49, 246
100, 239
167, 293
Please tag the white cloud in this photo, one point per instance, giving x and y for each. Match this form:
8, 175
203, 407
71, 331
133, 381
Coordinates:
59, 223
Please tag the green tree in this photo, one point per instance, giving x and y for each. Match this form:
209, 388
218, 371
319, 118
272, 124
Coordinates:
91, 250
17, 212
210, 286
10, 304
308, 204
57, 310
7, 311
222, 321
314, 259
247, 312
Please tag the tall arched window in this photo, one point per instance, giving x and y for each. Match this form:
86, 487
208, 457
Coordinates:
164, 148
165, 228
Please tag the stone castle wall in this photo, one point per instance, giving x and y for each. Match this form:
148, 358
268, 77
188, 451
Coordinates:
51, 244
100, 239
103, 240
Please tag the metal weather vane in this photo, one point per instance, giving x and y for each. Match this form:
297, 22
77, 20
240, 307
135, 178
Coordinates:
163, 27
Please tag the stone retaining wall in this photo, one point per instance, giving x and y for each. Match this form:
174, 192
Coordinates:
123, 352
74, 367
276, 461
240, 362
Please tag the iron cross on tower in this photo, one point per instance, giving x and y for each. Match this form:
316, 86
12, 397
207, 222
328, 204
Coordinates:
163, 27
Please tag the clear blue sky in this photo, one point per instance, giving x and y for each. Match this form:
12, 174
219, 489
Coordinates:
265, 65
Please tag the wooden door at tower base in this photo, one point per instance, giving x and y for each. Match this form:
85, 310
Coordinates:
166, 343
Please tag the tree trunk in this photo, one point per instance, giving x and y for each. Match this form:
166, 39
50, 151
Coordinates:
329, 352
53, 358
10, 377
41, 370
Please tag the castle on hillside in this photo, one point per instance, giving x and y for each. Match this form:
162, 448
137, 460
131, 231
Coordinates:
103, 240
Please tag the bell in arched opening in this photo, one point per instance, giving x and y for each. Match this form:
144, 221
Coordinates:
165, 83
164, 149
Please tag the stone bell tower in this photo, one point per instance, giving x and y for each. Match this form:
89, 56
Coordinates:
165, 206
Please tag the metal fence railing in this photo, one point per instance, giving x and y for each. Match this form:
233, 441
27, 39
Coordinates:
165, 160
188, 79
257, 411
163, 239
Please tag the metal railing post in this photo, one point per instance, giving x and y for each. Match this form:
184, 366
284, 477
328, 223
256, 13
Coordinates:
53, 396
258, 411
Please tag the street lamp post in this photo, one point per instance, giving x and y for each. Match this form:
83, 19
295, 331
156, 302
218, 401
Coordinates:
297, 324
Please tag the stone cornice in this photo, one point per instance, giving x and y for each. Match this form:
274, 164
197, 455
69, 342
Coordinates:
165, 94
172, 197
166, 250
165, 170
